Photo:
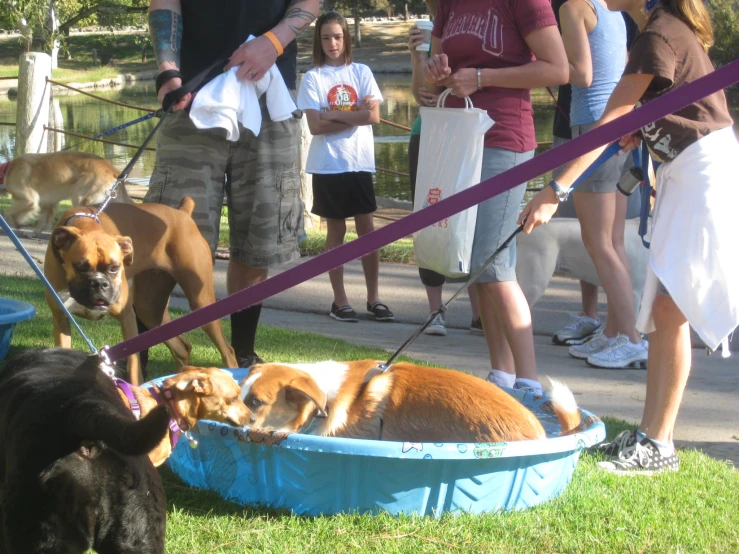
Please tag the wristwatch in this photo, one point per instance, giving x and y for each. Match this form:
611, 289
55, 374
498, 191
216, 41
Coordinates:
560, 193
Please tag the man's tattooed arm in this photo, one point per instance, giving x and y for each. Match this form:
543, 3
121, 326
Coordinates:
300, 14
165, 27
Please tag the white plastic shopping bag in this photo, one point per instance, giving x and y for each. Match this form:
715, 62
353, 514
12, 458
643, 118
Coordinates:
449, 161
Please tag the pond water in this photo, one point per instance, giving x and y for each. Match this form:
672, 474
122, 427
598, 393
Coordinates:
88, 116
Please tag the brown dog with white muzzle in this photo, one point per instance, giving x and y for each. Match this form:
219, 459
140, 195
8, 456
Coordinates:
194, 394
406, 403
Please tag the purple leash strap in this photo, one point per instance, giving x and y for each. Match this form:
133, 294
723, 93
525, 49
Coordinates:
612, 131
126, 388
173, 426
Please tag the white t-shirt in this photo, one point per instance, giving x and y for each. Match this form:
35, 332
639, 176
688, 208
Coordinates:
339, 88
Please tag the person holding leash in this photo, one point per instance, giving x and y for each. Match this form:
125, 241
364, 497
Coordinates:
693, 274
520, 49
259, 177
595, 41
341, 100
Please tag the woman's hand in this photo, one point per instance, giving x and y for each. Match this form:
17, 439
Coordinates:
427, 98
437, 68
539, 210
463, 82
415, 38
629, 142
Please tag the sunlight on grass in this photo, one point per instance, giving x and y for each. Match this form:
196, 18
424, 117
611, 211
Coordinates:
693, 510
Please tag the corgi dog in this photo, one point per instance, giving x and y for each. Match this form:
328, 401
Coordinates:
405, 403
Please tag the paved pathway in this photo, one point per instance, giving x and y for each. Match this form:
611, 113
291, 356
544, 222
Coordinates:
709, 417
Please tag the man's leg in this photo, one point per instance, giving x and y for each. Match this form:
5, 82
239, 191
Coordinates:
265, 217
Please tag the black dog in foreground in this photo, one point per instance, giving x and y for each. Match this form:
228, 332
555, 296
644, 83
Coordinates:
74, 468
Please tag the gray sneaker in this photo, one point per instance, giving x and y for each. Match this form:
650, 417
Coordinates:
597, 343
437, 327
622, 354
577, 331
638, 458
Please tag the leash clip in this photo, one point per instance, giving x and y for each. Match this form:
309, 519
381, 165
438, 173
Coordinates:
105, 364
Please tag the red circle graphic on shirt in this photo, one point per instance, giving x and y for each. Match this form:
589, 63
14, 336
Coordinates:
342, 98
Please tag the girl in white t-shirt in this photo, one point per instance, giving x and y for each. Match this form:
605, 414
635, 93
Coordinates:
341, 101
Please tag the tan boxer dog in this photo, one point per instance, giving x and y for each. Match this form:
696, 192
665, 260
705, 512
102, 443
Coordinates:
38, 182
90, 261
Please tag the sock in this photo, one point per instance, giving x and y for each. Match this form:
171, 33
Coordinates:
535, 386
501, 378
664, 448
244, 330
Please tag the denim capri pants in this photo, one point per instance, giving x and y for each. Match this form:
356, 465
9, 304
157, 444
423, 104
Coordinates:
496, 218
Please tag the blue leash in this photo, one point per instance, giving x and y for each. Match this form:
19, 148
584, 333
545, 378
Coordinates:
37, 270
609, 152
111, 131
646, 196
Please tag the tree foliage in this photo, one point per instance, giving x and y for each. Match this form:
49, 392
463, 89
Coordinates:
725, 20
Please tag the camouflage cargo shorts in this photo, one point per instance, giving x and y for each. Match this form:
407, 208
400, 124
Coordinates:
258, 175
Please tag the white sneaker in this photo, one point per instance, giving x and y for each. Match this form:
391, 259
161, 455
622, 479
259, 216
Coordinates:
577, 331
622, 354
597, 343
437, 327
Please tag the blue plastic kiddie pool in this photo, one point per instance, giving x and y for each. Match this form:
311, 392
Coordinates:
322, 475
12, 312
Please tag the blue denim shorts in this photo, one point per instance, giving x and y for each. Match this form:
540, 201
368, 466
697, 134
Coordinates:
496, 218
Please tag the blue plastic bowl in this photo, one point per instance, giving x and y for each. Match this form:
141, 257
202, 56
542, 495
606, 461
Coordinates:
321, 475
11, 312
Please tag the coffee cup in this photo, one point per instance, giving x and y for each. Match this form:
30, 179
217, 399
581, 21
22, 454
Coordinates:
426, 28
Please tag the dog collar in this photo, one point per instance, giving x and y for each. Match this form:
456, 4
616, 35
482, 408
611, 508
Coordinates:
177, 425
83, 214
3, 171
132, 402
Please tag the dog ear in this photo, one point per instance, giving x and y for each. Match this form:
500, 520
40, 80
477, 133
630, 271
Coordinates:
63, 237
197, 383
126, 245
301, 389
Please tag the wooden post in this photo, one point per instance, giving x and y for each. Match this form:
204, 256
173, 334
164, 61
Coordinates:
94, 57
33, 103
311, 222
56, 120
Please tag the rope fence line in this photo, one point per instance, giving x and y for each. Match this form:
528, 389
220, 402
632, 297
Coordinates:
96, 97
9, 78
7, 123
46, 128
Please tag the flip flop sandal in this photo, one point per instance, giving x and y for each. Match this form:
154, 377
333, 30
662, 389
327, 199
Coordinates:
380, 311
345, 313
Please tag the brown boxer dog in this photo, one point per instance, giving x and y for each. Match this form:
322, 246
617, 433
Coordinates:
90, 260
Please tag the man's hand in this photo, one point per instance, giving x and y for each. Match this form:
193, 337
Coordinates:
173, 84
437, 68
539, 210
253, 58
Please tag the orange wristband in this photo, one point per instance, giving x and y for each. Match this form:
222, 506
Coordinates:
276, 43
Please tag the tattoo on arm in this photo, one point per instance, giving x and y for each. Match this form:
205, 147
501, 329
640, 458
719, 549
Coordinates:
297, 18
165, 27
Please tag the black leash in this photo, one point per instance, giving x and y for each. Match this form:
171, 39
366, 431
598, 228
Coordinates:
382, 368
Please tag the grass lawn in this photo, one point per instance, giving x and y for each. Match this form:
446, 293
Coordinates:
694, 510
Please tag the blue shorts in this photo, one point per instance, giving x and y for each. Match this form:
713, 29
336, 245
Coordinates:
496, 218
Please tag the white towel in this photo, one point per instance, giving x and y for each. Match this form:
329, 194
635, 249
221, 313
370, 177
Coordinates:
693, 247
227, 101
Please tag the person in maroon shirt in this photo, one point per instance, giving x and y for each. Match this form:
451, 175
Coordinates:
495, 52
693, 273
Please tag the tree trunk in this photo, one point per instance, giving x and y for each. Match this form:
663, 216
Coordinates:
357, 32
52, 26
405, 17
33, 103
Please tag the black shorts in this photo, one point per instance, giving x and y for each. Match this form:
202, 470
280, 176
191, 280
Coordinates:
343, 195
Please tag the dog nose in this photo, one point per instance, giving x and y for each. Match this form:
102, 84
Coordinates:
100, 283
252, 419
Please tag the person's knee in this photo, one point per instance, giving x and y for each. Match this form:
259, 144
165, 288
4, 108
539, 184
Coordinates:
247, 275
666, 313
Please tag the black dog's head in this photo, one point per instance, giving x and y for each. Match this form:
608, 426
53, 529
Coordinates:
93, 265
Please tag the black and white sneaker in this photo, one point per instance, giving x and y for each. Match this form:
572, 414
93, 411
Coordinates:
629, 457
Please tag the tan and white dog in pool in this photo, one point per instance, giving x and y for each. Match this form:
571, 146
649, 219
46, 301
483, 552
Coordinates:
406, 403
